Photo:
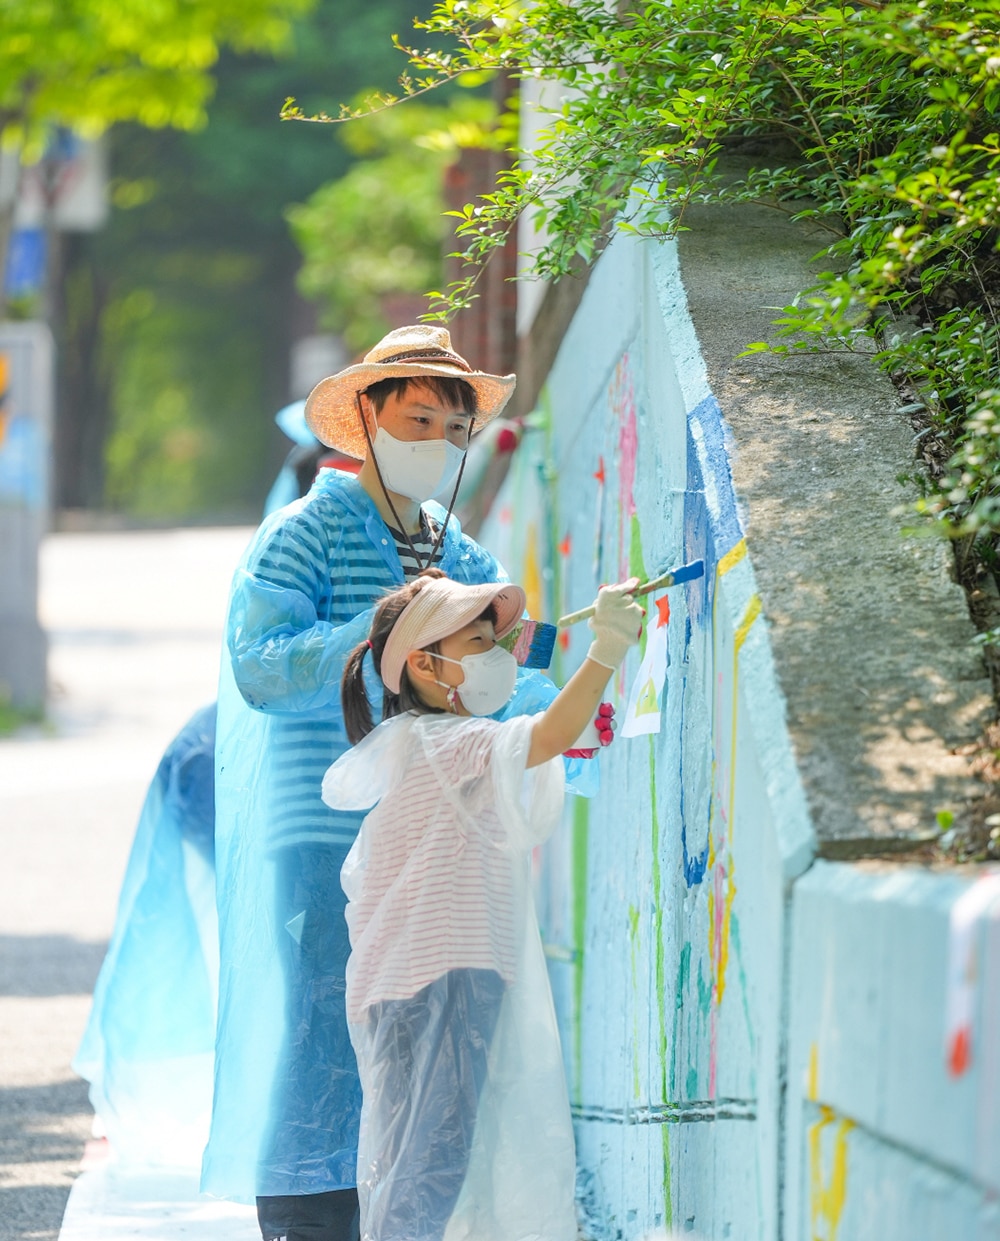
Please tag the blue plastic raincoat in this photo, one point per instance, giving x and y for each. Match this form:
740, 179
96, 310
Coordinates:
287, 1094
147, 1050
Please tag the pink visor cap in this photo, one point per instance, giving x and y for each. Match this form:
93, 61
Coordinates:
441, 608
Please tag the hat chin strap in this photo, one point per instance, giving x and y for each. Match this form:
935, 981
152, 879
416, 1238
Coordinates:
388, 499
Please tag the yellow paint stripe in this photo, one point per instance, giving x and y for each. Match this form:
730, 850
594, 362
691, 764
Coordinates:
749, 616
731, 558
827, 1201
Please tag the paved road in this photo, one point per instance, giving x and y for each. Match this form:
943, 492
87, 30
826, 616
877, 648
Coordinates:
134, 621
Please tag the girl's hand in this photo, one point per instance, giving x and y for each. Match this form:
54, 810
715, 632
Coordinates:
617, 624
602, 730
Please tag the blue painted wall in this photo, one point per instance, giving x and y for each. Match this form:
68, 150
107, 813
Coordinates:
666, 901
663, 899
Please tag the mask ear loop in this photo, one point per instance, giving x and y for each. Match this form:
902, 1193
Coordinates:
385, 491
451, 698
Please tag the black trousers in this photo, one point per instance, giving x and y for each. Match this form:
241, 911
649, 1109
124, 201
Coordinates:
310, 1217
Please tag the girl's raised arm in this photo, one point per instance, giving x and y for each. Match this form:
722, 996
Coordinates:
617, 625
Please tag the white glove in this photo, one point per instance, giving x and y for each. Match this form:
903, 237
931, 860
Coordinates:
617, 624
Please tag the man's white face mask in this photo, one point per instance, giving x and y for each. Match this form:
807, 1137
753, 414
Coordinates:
418, 469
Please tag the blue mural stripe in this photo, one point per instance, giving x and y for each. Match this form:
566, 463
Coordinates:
711, 518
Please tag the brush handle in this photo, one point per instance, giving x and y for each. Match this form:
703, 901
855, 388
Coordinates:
685, 573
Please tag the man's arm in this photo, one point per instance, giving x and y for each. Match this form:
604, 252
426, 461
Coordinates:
284, 658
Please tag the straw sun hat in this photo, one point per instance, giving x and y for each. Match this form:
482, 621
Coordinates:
411, 352
442, 607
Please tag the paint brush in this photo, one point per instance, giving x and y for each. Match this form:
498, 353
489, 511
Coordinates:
532, 642
683, 573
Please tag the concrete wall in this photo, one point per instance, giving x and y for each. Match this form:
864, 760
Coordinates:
887, 1136
688, 981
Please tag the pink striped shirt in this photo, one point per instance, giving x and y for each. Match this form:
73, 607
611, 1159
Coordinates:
437, 878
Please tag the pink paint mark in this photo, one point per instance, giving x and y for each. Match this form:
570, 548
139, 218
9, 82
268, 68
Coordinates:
621, 399
505, 516
628, 448
719, 912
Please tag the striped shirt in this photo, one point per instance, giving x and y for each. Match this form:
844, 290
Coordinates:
302, 599
437, 879
422, 543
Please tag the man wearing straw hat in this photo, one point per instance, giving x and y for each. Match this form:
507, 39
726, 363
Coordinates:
287, 1096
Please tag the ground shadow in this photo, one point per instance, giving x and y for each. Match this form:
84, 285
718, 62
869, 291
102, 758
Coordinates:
48, 965
43, 1129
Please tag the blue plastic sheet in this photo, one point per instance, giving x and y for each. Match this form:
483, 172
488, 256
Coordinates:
148, 1047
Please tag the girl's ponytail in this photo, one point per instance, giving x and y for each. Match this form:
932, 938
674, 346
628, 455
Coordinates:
353, 696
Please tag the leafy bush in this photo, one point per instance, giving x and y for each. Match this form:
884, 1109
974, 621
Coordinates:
875, 121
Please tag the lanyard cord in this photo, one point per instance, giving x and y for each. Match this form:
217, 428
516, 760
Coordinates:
385, 491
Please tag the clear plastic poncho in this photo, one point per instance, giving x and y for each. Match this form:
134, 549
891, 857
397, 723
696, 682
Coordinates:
465, 1127
148, 1047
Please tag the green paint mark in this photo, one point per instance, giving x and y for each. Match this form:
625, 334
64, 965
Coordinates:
734, 935
668, 1206
691, 1082
637, 567
658, 926
704, 993
661, 1015
683, 978
581, 833
633, 932
550, 491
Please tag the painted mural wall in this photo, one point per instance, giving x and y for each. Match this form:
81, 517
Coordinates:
893, 1124
662, 900
759, 1046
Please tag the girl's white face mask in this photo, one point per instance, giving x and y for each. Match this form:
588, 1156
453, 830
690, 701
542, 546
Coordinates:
418, 469
489, 680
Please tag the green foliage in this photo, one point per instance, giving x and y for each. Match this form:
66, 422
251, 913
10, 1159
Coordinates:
177, 449
185, 338
876, 122
13, 719
92, 63
379, 230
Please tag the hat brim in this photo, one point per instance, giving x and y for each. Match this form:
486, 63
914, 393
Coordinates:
332, 413
442, 608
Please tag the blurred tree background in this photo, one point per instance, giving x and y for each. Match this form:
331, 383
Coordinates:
175, 321
357, 258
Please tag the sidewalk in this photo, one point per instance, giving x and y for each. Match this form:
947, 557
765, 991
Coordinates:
134, 621
108, 1202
